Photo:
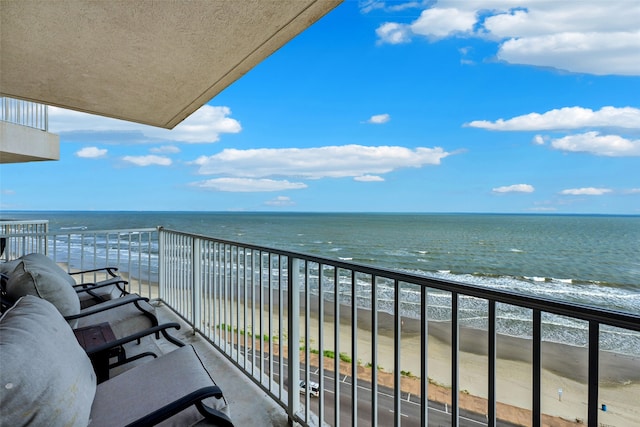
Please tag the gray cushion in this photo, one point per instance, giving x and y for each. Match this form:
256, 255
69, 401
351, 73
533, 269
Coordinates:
124, 319
38, 275
8, 266
150, 386
46, 378
46, 263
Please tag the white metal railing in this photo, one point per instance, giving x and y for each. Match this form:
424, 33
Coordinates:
20, 237
333, 328
25, 113
133, 252
238, 297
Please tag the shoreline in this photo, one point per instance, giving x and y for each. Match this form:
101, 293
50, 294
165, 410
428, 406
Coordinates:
560, 358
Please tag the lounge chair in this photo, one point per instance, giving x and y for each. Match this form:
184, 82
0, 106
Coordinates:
46, 378
40, 276
90, 293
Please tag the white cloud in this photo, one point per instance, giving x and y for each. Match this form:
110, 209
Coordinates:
444, 22
316, 163
585, 37
165, 149
8, 192
515, 188
148, 160
566, 118
379, 119
280, 201
588, 191
367, 6
368, 178
204, 125
600, 145
393, 33
632, 191
617, 53
91, 152
247, 185
539, 140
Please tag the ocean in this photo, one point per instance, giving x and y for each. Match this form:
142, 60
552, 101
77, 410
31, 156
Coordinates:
593, 260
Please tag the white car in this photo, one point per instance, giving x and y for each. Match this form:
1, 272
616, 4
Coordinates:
315, 388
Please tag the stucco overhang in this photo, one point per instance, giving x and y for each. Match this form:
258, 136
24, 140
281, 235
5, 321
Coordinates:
152, 62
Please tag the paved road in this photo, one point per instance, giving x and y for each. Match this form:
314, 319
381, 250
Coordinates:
410, 405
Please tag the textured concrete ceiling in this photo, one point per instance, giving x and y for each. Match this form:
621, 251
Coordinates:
152, 62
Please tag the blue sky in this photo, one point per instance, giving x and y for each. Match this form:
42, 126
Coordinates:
448, 106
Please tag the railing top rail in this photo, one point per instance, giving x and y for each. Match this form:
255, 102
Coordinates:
23, 222
59, 232
578, 311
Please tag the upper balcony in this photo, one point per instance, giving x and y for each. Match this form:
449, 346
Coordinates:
24, 135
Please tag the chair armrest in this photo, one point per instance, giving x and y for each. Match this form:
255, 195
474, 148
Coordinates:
110, 270
184, 402
134, 337
103, 307
89, 286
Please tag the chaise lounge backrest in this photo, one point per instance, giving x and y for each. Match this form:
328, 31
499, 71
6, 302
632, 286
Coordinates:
46, 378
38, 275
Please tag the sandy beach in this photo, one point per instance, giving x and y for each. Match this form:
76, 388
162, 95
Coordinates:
564, 368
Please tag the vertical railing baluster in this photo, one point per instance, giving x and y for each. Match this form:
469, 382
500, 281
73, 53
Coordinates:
245, 272
307, 340
270, 319
336, 345
424, 364
293, 327
233, 277
280, 329
455, 353
139, 235
374, 350
491, 354
238, 295
396, 353
537, 368
162, 264
594, 373
197, 284
261, 314
354, 348
321, 342
253, 312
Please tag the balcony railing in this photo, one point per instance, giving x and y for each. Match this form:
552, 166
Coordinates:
283, 317
21, 237
25, 113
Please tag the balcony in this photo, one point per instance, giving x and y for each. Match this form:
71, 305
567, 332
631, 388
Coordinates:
399, 337
24, 135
